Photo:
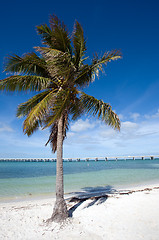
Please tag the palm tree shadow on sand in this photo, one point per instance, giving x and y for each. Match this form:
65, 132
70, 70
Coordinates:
98, 195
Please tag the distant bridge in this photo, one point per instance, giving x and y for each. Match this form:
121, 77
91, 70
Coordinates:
150, 157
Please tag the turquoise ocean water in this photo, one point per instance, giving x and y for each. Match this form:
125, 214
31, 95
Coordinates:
33, 179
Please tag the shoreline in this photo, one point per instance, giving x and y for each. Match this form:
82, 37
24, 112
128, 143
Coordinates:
120, 216
45, 196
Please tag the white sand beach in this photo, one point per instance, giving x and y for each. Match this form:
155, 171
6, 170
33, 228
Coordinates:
128, 217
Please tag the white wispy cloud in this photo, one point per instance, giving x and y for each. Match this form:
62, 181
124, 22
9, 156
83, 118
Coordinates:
152, 116
81, 125
134, 116
128, 126
135, 137
5, 128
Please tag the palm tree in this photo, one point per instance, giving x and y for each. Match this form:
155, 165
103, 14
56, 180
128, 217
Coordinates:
58, 72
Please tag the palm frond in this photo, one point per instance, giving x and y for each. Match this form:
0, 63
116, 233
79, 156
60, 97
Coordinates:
60, 37
98, 63
76, 108
84, 76
61, 104
32, 127
79, 44
24, 83
25, 108
87, 73
46, 33
47, 51
28, 64
56, 36
53, 136
58, 62
103, 110
38, 113
54, 130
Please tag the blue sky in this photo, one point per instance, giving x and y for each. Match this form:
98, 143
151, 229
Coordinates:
130, 85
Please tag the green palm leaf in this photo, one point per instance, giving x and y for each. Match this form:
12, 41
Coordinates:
24, 83
79, 44
30, 63
103, 110
87, 73
61, 104
56, 36
58, 62
45, 32
54, 131
25, 108
38, 113
76, 109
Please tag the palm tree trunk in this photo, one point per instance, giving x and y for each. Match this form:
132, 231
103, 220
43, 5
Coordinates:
60, 212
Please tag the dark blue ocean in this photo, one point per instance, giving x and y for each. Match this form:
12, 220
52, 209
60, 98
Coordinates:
33, 179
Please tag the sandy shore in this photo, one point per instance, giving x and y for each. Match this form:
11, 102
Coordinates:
128, 217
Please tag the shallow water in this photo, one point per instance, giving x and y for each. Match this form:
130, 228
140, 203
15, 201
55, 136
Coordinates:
19, 179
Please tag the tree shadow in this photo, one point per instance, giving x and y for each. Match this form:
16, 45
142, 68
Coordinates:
97, 195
